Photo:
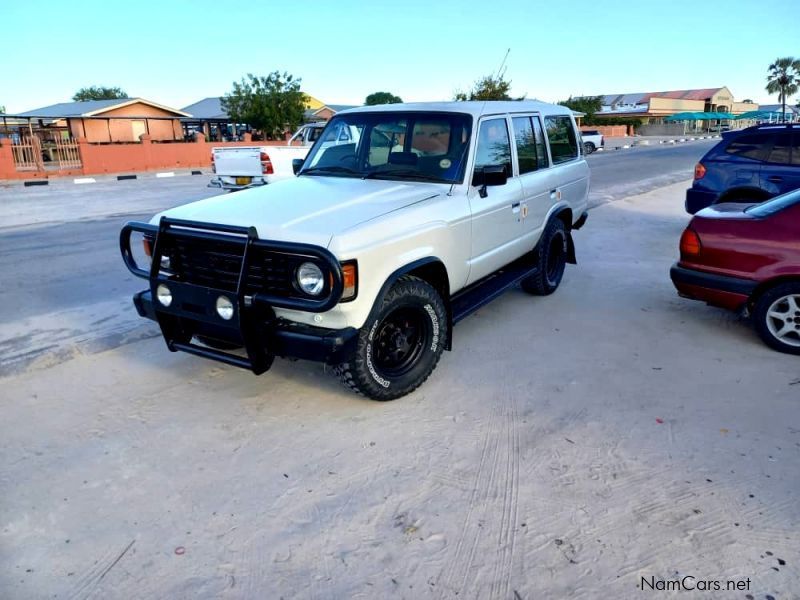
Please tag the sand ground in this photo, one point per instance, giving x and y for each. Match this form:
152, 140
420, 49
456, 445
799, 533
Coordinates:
568, 447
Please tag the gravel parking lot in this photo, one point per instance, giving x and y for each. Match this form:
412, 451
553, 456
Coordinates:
570, 446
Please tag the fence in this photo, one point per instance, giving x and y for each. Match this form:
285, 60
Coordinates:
29, 158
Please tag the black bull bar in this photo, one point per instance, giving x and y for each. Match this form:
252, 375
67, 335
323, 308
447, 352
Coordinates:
252, 324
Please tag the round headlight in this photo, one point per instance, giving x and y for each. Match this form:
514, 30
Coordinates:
310, 279
225, 308
164, 294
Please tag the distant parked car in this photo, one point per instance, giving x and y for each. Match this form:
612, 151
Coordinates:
592, 140
748, 165
747, 257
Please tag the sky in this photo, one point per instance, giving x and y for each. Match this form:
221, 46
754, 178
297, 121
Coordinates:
176, 52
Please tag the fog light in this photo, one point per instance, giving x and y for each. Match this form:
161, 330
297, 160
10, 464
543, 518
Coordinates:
164, 294
225, 308
310, 279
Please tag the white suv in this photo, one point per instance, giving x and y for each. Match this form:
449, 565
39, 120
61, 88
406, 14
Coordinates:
380, 245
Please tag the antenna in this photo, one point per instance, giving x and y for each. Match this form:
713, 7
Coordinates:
502, 64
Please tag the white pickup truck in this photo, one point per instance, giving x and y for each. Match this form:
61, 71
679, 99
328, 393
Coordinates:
240, 167
402, 220
592, 140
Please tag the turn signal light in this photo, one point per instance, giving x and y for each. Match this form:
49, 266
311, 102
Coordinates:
699, 171
350, 278
266, 164
690, 243
148, 246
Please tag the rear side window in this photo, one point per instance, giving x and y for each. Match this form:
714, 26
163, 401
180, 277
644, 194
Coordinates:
494, 145
751, 145
563, 142
530, 144
781, 150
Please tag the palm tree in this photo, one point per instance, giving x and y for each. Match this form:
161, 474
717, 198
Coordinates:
784, 79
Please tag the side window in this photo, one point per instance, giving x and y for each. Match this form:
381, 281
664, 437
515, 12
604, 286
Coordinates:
796, 147
494, 145
526, 144
541, 150
753, 145
563, 141
781, 150
385, 138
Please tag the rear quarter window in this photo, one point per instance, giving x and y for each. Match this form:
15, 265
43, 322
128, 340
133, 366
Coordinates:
753, 146
563, 141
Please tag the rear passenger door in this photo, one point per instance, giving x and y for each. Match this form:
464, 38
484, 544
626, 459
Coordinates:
780, 173
537, 179
496, 221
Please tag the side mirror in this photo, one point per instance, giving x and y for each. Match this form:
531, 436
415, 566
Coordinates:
490, 175
297, 164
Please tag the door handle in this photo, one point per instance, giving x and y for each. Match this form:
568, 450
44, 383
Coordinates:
775, 179
515, 207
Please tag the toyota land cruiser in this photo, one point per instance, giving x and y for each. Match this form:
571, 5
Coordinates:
381, 243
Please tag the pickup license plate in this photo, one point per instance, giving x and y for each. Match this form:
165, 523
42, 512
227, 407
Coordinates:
243, 180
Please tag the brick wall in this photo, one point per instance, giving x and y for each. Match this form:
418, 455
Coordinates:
99, 159
608, 130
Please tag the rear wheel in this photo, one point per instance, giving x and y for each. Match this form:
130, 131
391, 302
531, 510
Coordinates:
588, 148
551, 259
777, 317
399, 347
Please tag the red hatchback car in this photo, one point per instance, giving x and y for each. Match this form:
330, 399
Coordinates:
747, 257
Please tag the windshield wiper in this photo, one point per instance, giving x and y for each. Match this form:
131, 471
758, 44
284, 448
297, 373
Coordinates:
404, 173
328, 169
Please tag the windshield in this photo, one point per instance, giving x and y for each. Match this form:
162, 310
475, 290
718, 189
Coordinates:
777, 204
393, 145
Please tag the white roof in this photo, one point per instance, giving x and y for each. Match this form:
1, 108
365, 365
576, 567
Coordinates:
474, 108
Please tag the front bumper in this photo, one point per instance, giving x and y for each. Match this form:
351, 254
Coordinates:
279, 337
196, 288
718, 290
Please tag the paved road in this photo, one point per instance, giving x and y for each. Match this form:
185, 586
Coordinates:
64, 283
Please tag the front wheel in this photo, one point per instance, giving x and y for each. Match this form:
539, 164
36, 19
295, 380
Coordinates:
399, 347
777, 317
551, 260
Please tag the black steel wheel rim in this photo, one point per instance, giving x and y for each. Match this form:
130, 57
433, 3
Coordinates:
400, 340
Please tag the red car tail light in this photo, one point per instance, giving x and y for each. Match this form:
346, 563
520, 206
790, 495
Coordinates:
699, 171
266, 164
690, 243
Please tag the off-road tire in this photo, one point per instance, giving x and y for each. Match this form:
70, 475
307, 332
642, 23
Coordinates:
366, 372
762, 318
551, 259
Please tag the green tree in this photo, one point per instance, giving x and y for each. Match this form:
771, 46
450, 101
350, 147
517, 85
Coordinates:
784, 79
99, 93
382, 98
491, 87
584, 104
269, 104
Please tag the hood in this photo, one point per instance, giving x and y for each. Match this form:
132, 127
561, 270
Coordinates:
307, 209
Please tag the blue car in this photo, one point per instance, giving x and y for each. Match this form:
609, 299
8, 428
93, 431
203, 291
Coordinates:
748, 165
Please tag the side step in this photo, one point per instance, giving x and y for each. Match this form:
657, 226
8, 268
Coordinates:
467, 301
